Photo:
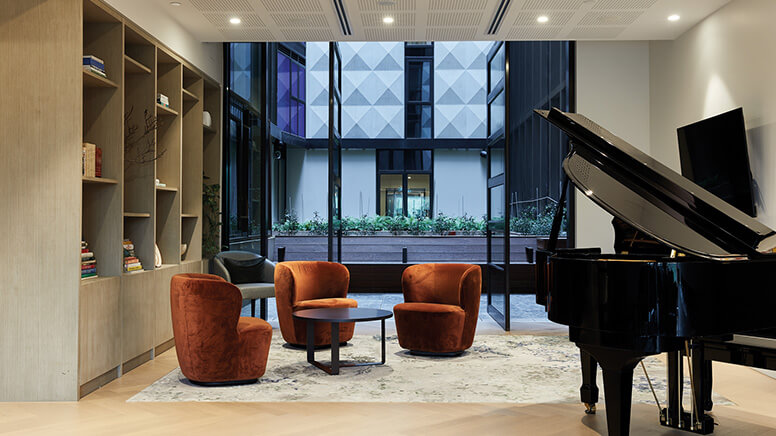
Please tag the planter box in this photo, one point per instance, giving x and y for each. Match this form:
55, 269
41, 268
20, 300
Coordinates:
388, 249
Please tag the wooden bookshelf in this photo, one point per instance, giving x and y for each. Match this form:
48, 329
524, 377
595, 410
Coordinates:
162, 110
137, 215
124, 316
99, 180
131, 66
94, 80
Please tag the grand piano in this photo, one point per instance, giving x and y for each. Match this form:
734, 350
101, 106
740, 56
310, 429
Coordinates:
704, 273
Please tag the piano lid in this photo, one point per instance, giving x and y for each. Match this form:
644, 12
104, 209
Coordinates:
653, 198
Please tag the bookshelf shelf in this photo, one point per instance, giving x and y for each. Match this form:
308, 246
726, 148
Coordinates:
131, 66
99, 180
93, 80
189, 215
166, 189
165, 111
136, 215
189, 96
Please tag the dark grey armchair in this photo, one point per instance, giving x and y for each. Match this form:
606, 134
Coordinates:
251, 292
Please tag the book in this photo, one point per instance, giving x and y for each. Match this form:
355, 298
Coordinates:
93, 61
89, 158
88, 276
96, 71
87, 255
134, 268
97, 162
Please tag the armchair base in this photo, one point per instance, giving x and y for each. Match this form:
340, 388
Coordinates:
433, 354
224, 383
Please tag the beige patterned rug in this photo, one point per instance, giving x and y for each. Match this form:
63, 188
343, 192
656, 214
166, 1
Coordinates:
497, 369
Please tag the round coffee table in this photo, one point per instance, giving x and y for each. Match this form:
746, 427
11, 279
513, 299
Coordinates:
335, 316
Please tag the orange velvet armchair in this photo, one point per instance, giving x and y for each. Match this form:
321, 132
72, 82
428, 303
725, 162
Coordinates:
441, 304
216, 346
311, 285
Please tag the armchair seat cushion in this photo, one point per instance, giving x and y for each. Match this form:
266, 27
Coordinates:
255, 291
429, 327
325, 303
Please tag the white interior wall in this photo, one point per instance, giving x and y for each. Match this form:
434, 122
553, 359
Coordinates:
206, 56
359, 169
460, 178
724, 62
613, 89
308, 179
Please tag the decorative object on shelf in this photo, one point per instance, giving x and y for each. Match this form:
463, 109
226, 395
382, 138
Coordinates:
184, 249
88, 262
140, 148
210, 201
157, 257
91, 160
207, 120
163, 100
159, 184
131, 262
95, 65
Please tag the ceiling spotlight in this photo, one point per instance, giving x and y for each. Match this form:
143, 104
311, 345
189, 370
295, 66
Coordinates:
388, 20
235, 20
543, 19
673, 17
175, 3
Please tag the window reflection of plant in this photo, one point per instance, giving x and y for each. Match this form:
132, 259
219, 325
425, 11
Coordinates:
212, 219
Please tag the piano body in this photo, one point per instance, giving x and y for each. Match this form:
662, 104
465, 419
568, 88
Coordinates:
623, 307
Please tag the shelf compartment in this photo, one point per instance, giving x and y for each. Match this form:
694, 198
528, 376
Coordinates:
94, 80
131, 66
166, 189
99, 180
162, 110
189, 96
137, 215
209, 129
189, 215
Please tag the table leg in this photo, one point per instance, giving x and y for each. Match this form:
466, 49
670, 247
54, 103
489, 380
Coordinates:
335, 363
310, 341
382, 325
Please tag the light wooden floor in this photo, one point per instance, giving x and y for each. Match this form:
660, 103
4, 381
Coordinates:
106, 412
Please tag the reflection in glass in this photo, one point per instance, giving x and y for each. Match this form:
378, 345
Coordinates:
418, 195
497, 159
497, 203
497, 113
391, 195
419, 81
497, 68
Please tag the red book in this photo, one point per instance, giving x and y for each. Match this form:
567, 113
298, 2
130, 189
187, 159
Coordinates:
92, 265
98, 162
84, 250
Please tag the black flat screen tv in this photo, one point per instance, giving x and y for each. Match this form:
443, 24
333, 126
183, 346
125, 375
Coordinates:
713, 154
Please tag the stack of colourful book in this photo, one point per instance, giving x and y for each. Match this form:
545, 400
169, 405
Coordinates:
95, 65
88, 262
131, 262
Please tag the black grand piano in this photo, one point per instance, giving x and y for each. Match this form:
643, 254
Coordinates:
704, 272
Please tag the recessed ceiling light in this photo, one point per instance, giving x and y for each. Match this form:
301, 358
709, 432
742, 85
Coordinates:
673, 17
175, 3
543, 19
388, 20
235, 20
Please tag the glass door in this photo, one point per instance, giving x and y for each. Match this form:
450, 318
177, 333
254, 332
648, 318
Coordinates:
498, 219
335, 153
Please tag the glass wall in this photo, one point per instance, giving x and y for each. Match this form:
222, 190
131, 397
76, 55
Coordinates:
290, 94
400, 172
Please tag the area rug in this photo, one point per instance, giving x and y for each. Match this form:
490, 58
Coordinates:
497, 369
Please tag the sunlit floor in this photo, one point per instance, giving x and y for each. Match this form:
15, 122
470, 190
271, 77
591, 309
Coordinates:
106, 412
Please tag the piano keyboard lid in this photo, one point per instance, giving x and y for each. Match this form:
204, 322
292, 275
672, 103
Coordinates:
653, 198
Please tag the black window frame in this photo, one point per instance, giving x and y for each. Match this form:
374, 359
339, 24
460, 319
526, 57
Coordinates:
404, 172
418, 52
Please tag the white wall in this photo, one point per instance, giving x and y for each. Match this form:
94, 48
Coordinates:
359, 169
613, 89
460, 178
146, 13
308, 179
726, 61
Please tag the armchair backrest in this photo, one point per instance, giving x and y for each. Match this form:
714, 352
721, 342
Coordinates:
220, 269
204, 306
300, 281
441, 283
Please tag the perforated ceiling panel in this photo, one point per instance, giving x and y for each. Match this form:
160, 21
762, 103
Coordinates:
435, 20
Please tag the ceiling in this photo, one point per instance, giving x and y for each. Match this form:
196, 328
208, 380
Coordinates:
436, 20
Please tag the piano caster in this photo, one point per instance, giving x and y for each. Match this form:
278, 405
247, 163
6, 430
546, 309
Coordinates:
590, 408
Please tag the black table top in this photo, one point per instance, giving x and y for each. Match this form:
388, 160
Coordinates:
343, 314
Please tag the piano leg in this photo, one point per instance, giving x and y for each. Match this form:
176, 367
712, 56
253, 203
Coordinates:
617, 366
588, 392
674, 415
